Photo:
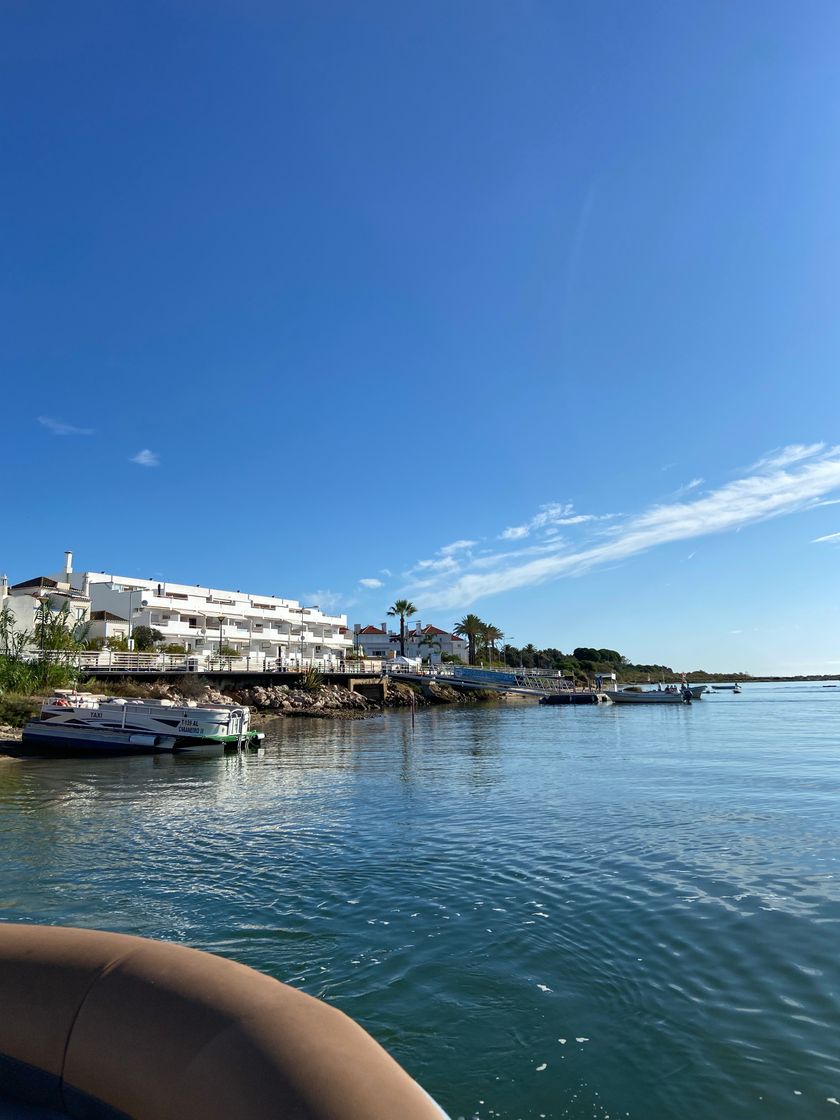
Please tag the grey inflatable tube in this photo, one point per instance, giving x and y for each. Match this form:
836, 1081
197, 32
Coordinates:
101, 1026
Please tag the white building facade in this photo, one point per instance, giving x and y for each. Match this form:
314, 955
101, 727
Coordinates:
210, 623
261, 631
428, 643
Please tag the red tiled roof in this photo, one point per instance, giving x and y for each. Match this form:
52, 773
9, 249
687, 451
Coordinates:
371, 630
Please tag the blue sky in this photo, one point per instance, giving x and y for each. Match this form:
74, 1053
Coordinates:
299, 298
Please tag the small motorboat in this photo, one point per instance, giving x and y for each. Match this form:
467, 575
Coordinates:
726, 687
651, 696
88, 723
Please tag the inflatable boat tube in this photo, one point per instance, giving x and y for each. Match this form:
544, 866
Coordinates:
101, 1026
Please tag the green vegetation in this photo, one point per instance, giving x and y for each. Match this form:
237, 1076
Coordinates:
146, 639
470, 627
585, 661
16, 710
403, 608
311, 680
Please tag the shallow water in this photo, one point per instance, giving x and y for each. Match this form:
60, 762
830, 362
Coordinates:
541, 912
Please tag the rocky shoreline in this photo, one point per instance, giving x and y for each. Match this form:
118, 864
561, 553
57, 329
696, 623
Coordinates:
326, 701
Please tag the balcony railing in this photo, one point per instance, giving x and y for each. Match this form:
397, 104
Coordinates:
119, 661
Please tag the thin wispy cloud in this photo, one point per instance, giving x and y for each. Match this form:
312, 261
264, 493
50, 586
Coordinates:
448, 559
146, 458
62, 428
457, 546
547, 517
785, 456
695, 482
371, 583
787, 481
827, 537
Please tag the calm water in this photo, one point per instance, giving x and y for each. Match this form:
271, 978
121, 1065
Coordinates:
542, 912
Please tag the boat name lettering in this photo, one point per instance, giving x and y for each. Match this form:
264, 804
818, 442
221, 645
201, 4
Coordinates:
189, 725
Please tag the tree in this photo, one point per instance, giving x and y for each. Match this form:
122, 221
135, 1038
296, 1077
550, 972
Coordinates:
470, 627
403, 608
146, 638
492, 634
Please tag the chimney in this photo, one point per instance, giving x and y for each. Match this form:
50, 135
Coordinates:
86, 584
4, 587
384, 627
68, 566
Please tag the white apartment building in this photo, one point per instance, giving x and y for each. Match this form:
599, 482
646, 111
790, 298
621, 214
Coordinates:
205, 620
262, 629
425, 642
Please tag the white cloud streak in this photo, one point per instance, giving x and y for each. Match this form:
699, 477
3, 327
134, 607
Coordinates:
146, 458
828, 537
61, 428
773, 491
456, 546
372, 583
785, 456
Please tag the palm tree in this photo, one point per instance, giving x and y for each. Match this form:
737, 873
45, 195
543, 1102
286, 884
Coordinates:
403, 608
491, 635
470, 627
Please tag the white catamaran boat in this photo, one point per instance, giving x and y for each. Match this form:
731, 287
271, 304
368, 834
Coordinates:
84, 721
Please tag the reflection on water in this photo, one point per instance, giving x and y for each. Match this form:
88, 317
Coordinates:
543, 912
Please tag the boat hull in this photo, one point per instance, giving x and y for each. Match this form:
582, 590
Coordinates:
567, 698
648, 698
47, 738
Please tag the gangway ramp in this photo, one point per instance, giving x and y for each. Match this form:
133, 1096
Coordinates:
526, 682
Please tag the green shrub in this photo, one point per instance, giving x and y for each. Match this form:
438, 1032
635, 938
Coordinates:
18, 710
311, 680
33, 676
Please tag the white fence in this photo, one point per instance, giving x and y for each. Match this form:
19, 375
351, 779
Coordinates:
114, 661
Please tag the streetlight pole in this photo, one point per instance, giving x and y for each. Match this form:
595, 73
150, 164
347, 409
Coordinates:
131, 595
43, 599
42, 603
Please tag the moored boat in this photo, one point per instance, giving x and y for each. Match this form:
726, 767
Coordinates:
87, 722
569, 697
652, 696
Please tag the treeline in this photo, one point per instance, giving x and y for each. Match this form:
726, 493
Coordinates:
585, 662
